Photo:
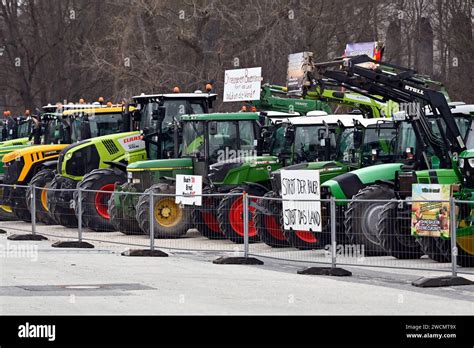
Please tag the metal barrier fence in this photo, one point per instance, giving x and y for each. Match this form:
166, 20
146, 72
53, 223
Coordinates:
353, 232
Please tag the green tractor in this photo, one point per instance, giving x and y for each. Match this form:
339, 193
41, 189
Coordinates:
99, 163
206, 139
439, 137
355, 142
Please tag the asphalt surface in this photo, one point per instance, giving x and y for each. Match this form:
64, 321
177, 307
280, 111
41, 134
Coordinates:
39, 279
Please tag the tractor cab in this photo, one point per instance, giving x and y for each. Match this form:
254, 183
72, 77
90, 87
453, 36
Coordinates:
157, 115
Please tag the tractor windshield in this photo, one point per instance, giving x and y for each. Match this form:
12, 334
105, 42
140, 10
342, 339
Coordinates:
193, 138
345, 150
310, 143
379, 144
53, 132
24, 128
174, 109
90, 125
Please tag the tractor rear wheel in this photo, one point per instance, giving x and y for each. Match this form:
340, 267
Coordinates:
394, 232
122, 217
94, 204
230, 214
59, 197
361, 217
205, 216
42, 181
170, 220
269, 221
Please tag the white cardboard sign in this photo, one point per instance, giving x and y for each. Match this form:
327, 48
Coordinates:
242, 84
301, 194
188, 189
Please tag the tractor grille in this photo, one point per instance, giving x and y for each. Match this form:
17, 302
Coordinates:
110, 146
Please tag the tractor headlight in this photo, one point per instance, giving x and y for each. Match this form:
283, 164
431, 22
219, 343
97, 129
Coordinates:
129, 175
461, 163
136, 181
471, 162
69, 155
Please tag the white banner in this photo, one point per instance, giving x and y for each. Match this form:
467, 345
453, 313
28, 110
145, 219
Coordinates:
242, 84
301, 194
188, 189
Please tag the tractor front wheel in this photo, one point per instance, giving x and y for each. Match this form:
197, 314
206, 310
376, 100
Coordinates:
394, 232
170, 220
97, 187
362, 215
18, 204
42, 182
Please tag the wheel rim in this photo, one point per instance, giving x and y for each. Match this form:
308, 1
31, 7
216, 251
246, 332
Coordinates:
273, 228
306, 236
44, 199
6, 208
167, 213
369, 222
466, 243
237, 218
101, 200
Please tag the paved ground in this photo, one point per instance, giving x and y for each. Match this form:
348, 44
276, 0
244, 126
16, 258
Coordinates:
46, 280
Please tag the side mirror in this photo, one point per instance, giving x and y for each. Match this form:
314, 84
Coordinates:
159, 114
213, 128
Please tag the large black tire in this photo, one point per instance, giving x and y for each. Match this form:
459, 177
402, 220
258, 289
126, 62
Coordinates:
95, 213
18, 204
170, 219
230, 214
361, 217
205, 216
59, 198
41, 181
123, 218
395, 234
435, 249
268, 221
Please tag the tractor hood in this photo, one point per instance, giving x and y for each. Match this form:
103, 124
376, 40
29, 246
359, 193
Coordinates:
347, 185
241, 169
163, 164
46, 150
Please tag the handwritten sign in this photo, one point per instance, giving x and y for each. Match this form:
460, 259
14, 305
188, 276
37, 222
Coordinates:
430, 218
188, 189
242, 84
301, 200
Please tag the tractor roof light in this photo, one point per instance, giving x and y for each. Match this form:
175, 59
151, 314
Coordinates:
109, 104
